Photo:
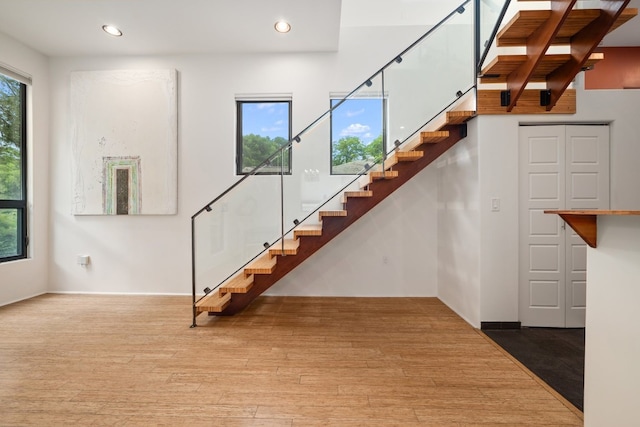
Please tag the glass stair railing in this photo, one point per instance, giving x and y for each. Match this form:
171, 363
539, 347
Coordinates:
244, 231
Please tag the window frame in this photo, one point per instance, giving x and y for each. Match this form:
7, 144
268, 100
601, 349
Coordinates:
239, 132
20, 205
343, 100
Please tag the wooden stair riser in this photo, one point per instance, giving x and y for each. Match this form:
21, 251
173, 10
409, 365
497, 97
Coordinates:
332, 226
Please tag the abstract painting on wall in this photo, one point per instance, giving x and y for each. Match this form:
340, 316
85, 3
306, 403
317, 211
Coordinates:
124, 139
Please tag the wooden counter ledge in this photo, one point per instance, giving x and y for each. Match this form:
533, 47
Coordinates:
585, 222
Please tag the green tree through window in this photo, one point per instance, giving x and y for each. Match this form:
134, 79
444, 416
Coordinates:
12, 174
263, 128
356, 134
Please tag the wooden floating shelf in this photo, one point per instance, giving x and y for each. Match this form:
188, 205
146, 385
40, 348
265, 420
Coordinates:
585, 223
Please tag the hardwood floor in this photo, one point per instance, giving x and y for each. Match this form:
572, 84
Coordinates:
130, 360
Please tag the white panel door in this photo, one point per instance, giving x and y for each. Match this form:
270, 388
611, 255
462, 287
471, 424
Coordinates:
587, 187
542, 243
561, 167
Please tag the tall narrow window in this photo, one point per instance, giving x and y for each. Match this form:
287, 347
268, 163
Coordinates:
356, 134
13, 188
264, 127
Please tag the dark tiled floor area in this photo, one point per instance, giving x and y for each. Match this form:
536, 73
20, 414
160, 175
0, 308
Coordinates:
554, 355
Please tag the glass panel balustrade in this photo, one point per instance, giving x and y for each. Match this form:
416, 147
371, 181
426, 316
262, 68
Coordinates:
232, 231
337, 151
489, 16
426, 79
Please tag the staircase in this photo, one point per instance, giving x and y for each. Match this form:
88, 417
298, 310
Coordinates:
261, 274
536, 30
581, 30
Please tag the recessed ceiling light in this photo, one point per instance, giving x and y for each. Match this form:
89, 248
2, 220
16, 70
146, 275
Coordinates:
282, 27
111, 30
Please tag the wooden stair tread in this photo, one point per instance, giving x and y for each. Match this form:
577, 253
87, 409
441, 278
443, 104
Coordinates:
290, 247
323, 214
502, 65
409, 156
240, 284
307, 230
625, 16
263, 265
525, 22
360, 193
356, 194
458, 117
213, 302
382, 175
433, 137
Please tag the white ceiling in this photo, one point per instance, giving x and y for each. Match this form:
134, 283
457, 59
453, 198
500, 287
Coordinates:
152, 27
160, 27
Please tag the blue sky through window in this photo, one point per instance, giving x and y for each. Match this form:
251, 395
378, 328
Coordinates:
359, 117
266, 119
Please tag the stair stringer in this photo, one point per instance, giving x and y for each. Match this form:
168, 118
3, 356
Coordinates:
356, 208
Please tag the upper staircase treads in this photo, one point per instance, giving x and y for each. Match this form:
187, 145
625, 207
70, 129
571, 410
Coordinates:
525, 22
502, 65
582, 45
537, 44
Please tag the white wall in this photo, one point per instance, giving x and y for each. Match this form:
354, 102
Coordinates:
149, 254
459, 227
25, 278
499, 178
612, 345
388, 252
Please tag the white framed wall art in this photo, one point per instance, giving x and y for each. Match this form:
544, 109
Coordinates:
124, 140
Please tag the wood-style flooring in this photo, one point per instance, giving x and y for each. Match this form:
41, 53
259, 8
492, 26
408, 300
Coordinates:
134, 361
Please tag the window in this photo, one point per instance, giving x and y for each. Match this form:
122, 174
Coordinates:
263, 128
13, 198
356, 134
